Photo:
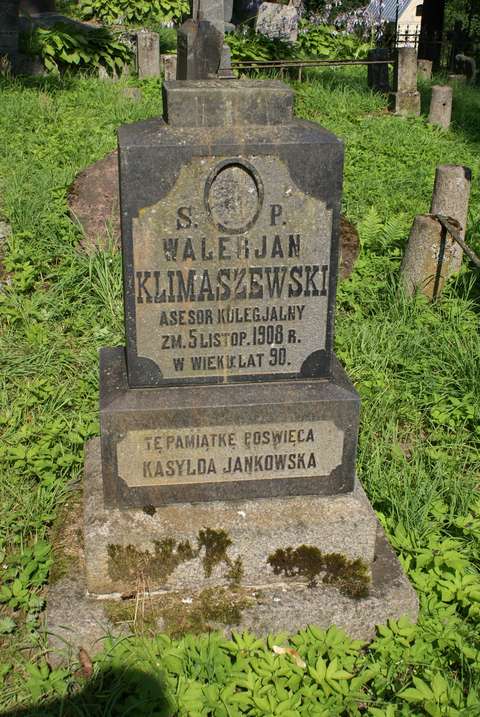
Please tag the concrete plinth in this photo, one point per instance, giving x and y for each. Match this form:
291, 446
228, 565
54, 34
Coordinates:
263, 602
405, 103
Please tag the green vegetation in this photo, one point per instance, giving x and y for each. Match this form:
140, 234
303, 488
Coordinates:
64, 46
415, 365
314, 41
134, 12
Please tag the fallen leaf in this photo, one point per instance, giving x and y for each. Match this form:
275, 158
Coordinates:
289, 651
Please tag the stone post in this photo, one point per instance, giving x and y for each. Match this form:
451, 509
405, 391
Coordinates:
405, 98
148, 54
169, 66
441, 106
429, 257
377, 75
9, 29
451, 194
424, 68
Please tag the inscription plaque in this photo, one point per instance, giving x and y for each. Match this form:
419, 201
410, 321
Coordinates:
231, 273
229, 452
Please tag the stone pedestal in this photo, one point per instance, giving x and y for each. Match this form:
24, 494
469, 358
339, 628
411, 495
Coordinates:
260, 601
441, 106
405, 99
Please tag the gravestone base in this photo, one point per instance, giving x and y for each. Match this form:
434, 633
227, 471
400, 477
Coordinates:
169, 548
405, 103
269, 604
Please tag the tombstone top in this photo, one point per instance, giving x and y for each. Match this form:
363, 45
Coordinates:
216, 103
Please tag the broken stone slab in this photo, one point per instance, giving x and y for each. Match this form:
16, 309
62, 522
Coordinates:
168, 65
424, 69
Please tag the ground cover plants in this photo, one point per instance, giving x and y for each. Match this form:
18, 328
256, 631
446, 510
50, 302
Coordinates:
415, 365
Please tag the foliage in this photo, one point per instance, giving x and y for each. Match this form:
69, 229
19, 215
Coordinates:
64, 46
415, 365
135, 11
320, 41
325, 41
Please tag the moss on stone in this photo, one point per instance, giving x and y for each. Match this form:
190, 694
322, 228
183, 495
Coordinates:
351, 577
128, 563
216, 544
208, 610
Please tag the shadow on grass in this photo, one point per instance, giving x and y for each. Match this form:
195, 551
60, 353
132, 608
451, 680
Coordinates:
114, 692
47, 83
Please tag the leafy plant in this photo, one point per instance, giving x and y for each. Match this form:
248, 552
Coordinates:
64, 46
135, 11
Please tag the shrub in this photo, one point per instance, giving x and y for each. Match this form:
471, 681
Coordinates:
135, 11
63, 46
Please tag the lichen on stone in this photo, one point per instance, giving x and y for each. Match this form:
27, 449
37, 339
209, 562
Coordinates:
351, 577
216, 544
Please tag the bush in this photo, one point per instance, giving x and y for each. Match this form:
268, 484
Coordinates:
135, 11
63, 46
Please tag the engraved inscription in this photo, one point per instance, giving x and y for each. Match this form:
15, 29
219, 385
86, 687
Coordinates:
231, 272
223, 453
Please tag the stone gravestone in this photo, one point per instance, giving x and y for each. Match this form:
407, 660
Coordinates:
228, 427
277, 21
201, 51
148, 54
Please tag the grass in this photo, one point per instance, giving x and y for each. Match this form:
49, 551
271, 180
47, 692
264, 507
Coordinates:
415, 365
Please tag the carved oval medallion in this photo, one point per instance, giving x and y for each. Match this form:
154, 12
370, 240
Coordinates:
234, 196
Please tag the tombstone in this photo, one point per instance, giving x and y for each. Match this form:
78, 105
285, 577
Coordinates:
228, 427
424, 69
377, 75
169, 66
9, 30
441, 106
277, 21
405, 98
200, 42
148, 54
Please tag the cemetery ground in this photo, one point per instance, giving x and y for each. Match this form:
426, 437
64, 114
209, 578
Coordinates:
415, 365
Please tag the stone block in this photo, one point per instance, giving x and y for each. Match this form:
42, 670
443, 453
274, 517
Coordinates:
405, 70
148, 54
405, 103
199, 50
172, 445
164, 546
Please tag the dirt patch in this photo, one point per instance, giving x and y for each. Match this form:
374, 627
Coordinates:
94, 203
